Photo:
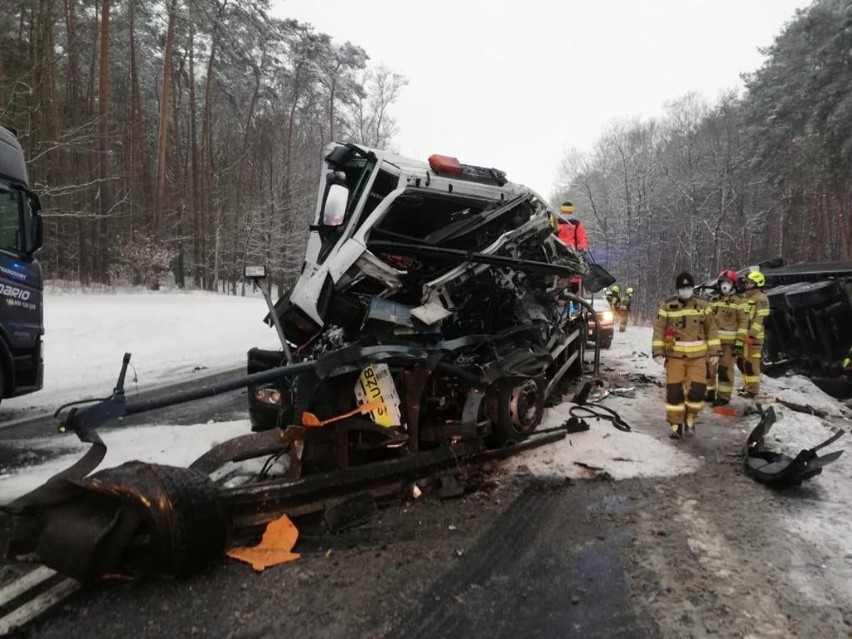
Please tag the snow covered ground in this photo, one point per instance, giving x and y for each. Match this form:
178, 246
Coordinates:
647, 451
172, 336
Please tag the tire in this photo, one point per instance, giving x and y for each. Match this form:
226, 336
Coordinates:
813, 294
193, 532
520, 407
181, 515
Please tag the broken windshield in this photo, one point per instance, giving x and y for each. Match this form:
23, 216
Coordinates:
441, 219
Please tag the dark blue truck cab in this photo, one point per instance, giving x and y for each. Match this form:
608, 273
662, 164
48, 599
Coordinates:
21, 283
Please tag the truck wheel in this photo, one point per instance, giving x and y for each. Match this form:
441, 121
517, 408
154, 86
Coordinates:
193, 531
181, 513
520, 406
813, 294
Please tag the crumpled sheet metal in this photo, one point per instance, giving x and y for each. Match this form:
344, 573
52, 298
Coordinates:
780, 470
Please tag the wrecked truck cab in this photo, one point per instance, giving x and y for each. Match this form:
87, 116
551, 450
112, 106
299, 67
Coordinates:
450, 264
390, 198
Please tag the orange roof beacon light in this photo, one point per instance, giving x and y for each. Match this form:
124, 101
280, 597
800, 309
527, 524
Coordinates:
451, 167
445, 165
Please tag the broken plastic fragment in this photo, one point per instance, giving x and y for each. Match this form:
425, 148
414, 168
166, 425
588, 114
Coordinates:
309, 419
274, 548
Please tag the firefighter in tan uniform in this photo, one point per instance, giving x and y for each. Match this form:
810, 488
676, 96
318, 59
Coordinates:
624, 308
732, 325
756, 306
685, 339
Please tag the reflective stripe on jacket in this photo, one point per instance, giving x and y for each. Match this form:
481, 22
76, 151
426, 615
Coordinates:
685, 329
756, 306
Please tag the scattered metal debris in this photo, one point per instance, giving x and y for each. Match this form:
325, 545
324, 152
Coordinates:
777, 469
140, 518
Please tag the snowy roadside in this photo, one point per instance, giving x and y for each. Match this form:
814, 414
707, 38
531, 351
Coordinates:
172, 336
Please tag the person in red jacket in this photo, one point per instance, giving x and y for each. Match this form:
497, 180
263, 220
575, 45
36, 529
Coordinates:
571, 230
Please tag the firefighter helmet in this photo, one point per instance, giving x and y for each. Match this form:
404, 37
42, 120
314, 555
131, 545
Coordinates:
728, 275
757, 277
629, 290
614, 288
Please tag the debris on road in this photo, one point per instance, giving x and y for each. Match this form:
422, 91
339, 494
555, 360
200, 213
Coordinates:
275, 547
777, 469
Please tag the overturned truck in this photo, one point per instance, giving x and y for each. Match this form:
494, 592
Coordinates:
809, 328
434, 317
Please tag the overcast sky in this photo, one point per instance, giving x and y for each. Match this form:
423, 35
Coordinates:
514, 85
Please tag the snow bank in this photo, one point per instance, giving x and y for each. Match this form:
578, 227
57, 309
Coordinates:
172, 335
170, 445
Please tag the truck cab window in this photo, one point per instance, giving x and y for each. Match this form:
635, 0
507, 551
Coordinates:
10, 220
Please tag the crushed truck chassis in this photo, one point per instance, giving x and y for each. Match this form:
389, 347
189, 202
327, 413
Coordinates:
140, 518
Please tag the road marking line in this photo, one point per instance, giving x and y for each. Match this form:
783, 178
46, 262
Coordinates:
41, 604
25, 583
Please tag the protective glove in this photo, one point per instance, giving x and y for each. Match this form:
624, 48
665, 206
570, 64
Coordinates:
714, 359
660, 359
738, 348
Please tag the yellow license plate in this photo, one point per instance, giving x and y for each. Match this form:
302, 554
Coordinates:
375, 384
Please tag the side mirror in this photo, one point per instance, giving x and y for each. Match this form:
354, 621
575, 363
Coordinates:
38, 232
336, 199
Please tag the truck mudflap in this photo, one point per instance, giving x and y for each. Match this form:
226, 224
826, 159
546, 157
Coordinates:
780, 470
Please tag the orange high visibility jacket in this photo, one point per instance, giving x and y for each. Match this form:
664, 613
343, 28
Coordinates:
573, 233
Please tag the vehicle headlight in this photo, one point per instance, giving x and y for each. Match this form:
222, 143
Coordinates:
606, 316
268, 396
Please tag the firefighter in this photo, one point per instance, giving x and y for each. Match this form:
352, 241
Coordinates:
624, 308
749, 354
732, 324
685, 339
613, 297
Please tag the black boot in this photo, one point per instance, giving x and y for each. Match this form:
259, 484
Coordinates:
710, 396
677, 431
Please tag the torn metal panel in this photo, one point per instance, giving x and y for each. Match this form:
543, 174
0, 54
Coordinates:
777, 469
